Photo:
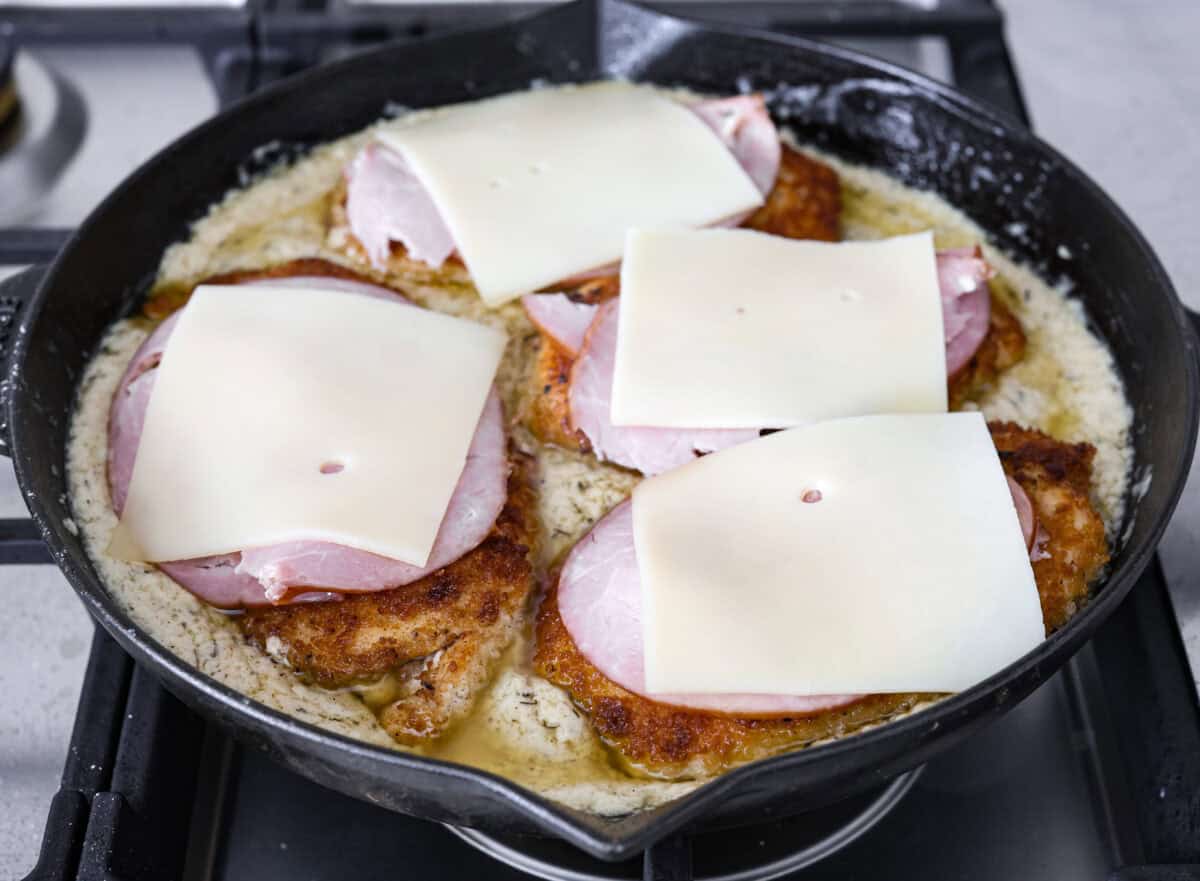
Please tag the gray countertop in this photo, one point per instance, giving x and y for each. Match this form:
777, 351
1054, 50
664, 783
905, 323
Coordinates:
1115, 86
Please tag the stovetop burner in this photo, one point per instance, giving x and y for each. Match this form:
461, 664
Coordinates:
48, 119
755, 853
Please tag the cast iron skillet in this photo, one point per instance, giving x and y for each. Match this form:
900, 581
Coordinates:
1031, 201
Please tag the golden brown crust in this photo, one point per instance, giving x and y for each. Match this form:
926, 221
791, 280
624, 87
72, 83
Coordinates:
548, 408
1003, 347
440, 634
167, 300
805, 203
675, 742
1057, 478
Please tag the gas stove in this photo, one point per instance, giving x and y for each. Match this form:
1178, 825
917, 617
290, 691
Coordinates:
1097, 775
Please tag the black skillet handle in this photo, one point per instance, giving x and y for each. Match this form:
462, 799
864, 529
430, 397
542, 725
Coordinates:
15, 292
669, 859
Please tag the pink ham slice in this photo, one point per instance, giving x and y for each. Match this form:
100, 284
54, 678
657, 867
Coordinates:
966, 307
648, 450
744, 125
473, 509
600, 600
288, 572
128, 412
966, 303
1025, 513
385, 202
560, 318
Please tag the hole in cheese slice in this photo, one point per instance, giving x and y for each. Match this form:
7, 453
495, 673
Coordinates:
910, 574
263, 392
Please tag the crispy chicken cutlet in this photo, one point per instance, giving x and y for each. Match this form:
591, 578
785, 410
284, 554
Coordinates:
674, 742
435, 641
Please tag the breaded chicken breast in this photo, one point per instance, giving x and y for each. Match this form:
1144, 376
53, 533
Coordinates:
435, 641
673, 742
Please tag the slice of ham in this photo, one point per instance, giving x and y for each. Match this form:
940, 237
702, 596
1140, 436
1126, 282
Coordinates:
385, 202
966, 303
600, 600
744, 126
306, 571
128, 412
966, 307
473, 509
648, 450
560, 318
1025, 513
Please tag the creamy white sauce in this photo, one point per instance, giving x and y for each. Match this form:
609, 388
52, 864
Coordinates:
522, 726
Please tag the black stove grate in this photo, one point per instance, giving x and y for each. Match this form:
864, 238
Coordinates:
1104, 761
1095, 776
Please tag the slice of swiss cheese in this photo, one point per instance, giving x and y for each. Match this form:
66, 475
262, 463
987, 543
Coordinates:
264, 392
541, 185
910, 572
729, 328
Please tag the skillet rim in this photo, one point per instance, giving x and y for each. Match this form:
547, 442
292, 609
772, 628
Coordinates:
961, 708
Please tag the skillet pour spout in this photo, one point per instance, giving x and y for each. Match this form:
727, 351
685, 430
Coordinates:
866, 111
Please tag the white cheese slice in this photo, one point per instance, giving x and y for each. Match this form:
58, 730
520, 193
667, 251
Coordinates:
729, 328
284, 414
909, 573
538, 186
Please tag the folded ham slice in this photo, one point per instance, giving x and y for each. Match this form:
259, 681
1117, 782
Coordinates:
1025, 513
966, 303
744, 125
589, 334
600, 601
560, 318
385, 201
303, 571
